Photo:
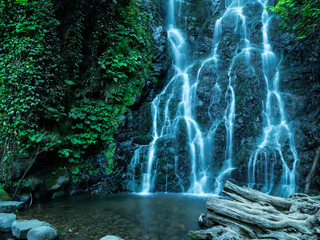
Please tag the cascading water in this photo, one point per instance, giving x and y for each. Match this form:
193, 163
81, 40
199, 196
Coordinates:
167, 125
194, 116
276, 130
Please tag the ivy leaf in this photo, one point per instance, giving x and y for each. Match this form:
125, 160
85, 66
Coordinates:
65, 152
73, 115
38, 139
69, 82
32, 137
79, 125
74, 141
105, 137
93, 118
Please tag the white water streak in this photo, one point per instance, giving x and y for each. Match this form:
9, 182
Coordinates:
271, 148
205, 177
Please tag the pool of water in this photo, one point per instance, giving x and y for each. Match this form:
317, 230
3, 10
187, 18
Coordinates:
129, 216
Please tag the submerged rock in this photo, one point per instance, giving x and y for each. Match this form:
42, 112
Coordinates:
216, 233
10, 206
42, 233
20, 229
6, 220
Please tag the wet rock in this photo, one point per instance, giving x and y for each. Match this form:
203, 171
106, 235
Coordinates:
10, 206
16, 168
135, 126
6, 220
111, 237
161, 50
299, 76
20, 229
162, 58
207, 80
42, 233
34, 183
25, 198
57, 182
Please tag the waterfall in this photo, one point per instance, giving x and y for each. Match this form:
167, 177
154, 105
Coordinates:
262, 162
194, 117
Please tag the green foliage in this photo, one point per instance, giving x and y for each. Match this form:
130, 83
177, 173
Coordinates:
28, 62
108, 155
128, 59
93, 122
302, 17
67, 75
24, 184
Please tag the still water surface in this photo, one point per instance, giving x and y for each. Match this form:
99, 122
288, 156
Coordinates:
129, 216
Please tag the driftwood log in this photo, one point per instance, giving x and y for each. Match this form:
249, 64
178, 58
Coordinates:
250, 214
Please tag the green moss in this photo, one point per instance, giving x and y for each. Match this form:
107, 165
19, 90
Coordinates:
52, 183
52, 180
4, 195
59, 194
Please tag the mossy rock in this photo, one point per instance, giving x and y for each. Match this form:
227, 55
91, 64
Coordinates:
4, 195
59, 194
57, 180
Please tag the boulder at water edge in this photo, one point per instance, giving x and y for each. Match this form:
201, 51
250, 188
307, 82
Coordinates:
110, 237
10, 206
6, 220
20, 229
42, 233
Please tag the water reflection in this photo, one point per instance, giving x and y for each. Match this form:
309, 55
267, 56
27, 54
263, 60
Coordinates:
132, 217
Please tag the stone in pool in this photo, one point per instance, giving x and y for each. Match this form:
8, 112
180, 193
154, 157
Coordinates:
10, 206
42, 233
110, 237
6, 220
20, 229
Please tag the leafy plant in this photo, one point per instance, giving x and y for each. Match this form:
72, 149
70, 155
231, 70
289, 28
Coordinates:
301, 17
28, 61
67, 75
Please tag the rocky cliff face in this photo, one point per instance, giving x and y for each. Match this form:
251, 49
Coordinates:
136, 125
300, 78
299, 88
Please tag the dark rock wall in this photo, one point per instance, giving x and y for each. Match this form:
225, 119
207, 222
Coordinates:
136, 125
299, 84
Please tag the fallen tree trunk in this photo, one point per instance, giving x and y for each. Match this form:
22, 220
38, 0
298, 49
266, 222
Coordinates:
247, 194
259, 215
255, 215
